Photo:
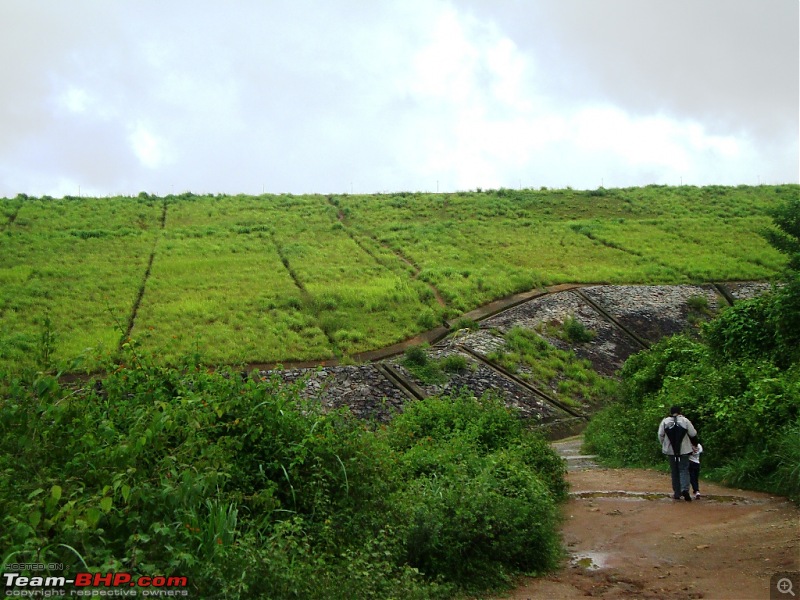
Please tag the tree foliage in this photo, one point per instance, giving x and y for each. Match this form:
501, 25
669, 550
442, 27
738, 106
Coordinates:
739, 384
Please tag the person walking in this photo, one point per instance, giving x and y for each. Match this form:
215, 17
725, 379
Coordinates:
677, 435
694, 469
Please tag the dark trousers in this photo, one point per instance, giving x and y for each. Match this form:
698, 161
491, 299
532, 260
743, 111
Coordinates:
694, 475
679, 466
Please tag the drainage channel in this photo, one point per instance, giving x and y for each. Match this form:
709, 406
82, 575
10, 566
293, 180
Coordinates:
640, 341
138, 300
404, 259
724, 293
411, 390
302, 288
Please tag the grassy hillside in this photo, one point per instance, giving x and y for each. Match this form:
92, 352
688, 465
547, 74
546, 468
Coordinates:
279, 278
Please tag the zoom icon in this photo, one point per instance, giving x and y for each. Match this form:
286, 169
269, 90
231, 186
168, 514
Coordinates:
784, 586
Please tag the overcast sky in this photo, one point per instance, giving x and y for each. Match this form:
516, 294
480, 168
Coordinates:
242, 96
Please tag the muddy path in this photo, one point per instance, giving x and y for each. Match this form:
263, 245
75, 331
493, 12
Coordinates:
627, 538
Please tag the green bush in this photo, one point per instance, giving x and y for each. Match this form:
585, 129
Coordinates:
454, 363
415, 356
577, 332
428, 319
480, 528
481, 503
698, 304
426, 370
743, 330
431, 371
248, 491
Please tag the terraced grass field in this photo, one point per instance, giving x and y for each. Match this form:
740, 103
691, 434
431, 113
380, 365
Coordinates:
276, 278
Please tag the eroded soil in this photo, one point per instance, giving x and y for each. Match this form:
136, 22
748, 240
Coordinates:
627, 538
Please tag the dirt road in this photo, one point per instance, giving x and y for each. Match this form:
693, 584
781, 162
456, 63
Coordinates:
628, 538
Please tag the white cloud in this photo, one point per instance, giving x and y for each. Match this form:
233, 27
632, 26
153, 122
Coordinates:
148, 147
307, 97
75, 100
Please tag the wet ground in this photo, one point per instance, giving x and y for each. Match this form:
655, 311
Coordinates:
627, 538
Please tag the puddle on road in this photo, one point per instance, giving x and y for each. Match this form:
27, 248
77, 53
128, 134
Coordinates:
591, 561
620, 494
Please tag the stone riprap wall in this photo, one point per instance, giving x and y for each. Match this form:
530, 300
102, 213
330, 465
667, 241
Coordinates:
364, 388
747, 289
624, 319
651, 311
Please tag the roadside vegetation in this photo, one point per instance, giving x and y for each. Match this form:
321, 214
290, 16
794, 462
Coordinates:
250, 492
739, 384
276, 278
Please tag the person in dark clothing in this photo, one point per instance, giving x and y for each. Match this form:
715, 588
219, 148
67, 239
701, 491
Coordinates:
677, 435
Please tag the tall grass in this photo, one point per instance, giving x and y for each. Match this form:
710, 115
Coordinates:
280, 277
78, 263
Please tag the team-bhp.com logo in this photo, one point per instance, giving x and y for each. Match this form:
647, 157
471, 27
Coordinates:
92, 584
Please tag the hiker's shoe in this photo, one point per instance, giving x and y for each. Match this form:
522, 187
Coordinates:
697, 495
674, 497
686, 496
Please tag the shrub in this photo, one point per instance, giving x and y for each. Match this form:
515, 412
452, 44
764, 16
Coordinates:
478, 530
425, 369
577, 332
428, 319
454, 363
415, 356
481, 499
742, 330
698, 304
248, 491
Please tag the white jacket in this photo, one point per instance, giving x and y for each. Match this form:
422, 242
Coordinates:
686, 444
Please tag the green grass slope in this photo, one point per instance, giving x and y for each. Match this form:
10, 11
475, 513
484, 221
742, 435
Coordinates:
278, 277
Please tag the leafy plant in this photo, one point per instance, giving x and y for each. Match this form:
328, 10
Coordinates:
249, 491
698, 304
576, 332
453, 363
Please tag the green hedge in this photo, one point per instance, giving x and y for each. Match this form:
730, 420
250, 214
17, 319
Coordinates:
237, 484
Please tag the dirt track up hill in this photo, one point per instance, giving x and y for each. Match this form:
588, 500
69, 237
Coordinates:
627, 538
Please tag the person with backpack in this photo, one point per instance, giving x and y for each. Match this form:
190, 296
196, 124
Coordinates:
677, 435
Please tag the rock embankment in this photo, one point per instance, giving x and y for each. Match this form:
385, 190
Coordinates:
623, 318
